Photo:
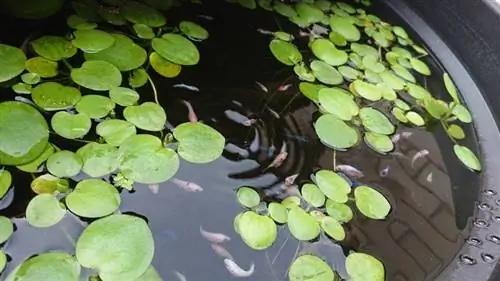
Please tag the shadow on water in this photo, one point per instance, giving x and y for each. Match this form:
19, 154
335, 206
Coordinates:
419, 238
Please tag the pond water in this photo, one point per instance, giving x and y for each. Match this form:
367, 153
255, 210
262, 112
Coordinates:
431, 201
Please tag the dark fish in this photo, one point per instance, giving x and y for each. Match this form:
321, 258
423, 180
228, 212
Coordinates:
384, 172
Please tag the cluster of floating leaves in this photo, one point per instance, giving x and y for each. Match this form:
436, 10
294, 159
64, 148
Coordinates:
86, 82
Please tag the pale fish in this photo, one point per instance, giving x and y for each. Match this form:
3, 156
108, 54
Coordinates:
214, 237
187, 185
249, 122
418, 155
155, 188
406, 134
187, 87
236, 270
290, 180
191, 115
278, 161
429, 177
180, 276
384, 172
261, 86
350, 171
318, 29
285, 87
266, 32
221, 251
395, 138
206, 17
274, 113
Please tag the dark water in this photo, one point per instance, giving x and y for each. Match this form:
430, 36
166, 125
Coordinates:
429, 220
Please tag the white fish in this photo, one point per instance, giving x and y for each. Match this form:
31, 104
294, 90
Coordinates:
418, 155
206, 17
187, 185
285, 87
290, 180
187, 87
221, 251
263, 31
155, 188
249, 122
278, 161
261, 86
274, 113
236, 270
191, 114
214, 237
350, 171
180, 276
25, 100
429, 177
303, 33
384, 172
406, 134
395, 138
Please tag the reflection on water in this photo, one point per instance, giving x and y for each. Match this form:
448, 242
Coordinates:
419, 238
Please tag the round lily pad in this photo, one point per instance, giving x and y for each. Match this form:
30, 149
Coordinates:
415, 118
373, 77
372, 63
399, 103
344, 26
392, 80
71, 126
291, 201
5, 182
3, 260
403, 72
115, 131
302, 225
258, 232
333, 185
378, 142
375, 121
54, 48
164, 67
12, 62
333, 228
97, 75
349, 72
303, 72
54, 96
22, 88
311, 90
283, 35
462, 113
43, 67
92, 40
25, 133
371, 203
278, 212
467, 157
44, 210
143, 31
126, 238
6, 229
417, 91
137, 12
313, 195
148, 116
77, 22
325, 73
64, 164
47, 266
124, 96
339, 211
48, 184
98, 159
367, 90
138, 78
177, 49
193, 30
124, 54
199, 143
363, 267
310, 268
335, 132
326, 51
309, 13
248, 197
30, 78
456, 132
420, 66
364, 50
387, 92
285, 52
82, 201
95, 106
284, 9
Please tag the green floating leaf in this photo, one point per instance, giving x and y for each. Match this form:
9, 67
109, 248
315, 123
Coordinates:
363, 267
82, 201
349, 72
92, 40
371, 203
115, 131
98, 159
143, 31
333, 228
450, 88
325, 73
145, 160
5, 182
456, 132
302, 225
30, 78
137, 12
373, 77
399, 114
378, 142
326, 51
403, 73
375, 121
303, 72
124, 54
420, 66
311, 268
467, 157
387, 92
77, 22
71, 126
22, 88
12, 62
283, 36
26, 130
311, 90
285, 52
392, 80
284, 9
48, 184
150, 275
43, 67
164, 67
248, 197
199, 143
333, 185
97, 75
44, 210
372, 63
177, 49
335, 132
138, 78
47, 266
6, 229
111, 16
400, 32
124, 96
148, 116
193, 30
364, 50
291, 201
462, 113
337, 39
309, 13
53, 96
339, 211
417, 91
367, 90
3, 260
258, 232
344, 26
415, 118
64, 164
278, 212
313, 195
95, 106
126, 238
54, 48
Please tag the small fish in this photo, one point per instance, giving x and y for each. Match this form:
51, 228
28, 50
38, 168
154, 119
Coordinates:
318, 29
304, 34
180, 276
418, 155
261, 86
214, 237
278, 161
191, 115
221, 251
205, 17
25, 100
396, 138
187, 87
384, 172
263, 31
285, 87
429, 177
187, 185
350, 171
249, 122
155, 188
290, 180
406, 134
274, 113
236, 270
